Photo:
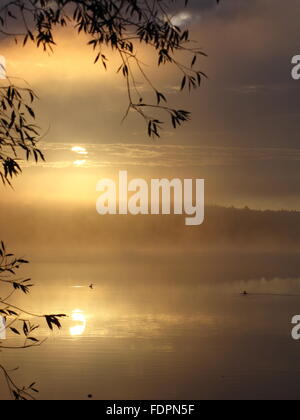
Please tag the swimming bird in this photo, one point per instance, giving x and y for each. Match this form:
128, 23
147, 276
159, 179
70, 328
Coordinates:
91, 286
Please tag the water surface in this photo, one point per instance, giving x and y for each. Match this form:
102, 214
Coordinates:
166, 328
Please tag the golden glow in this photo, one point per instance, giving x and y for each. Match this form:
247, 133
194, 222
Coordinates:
33, 64
80, 319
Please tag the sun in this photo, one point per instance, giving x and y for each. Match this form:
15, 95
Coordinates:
80, 150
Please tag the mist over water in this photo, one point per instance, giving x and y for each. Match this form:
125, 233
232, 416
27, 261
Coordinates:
165, 317
51, 232
156, 308
159, 327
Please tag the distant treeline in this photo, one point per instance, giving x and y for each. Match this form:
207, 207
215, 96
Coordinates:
79, 230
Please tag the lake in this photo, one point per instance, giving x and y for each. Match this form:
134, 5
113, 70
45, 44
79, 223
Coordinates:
165, 327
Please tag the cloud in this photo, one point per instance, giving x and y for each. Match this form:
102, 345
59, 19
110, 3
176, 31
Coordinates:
184, 18
116, 155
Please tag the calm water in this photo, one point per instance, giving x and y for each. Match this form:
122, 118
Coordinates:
166, 328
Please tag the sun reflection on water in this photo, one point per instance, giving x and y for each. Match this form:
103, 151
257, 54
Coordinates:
80, 323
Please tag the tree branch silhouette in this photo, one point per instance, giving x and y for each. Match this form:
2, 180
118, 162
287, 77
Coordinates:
119, 26
14, 324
